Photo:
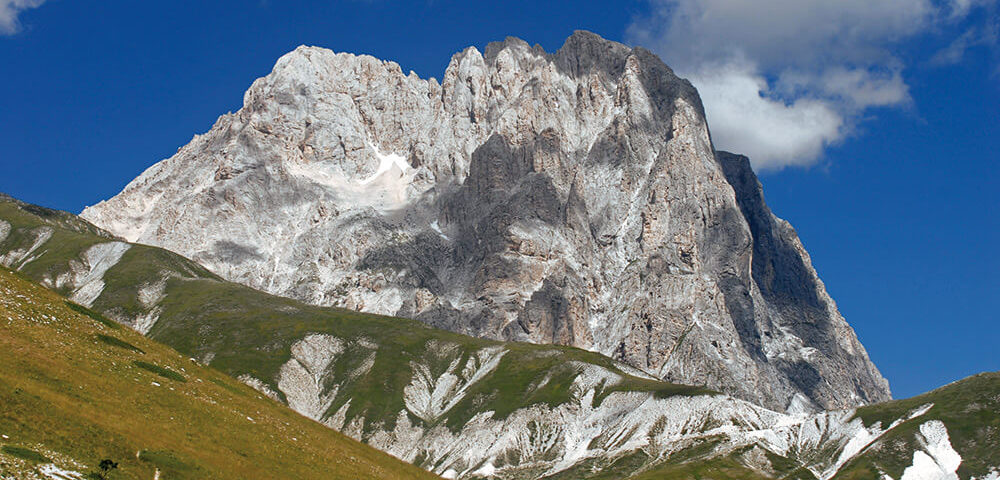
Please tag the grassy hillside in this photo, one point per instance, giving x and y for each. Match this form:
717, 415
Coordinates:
70, 236
245, 331
76, 388
969, 408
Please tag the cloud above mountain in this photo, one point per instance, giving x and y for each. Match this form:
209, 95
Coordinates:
10, 10
783, 79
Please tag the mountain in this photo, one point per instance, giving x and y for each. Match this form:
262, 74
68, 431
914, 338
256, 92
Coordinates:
77, 388
465, 407
572, 198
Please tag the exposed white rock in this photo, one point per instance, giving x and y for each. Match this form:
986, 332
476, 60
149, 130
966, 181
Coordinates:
592, 424
97, 260
432, 394
53, 472
20, 257
260, 386
145, 322
937, 460
151, 294
301, 378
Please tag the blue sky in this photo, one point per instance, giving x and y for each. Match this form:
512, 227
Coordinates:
873, 125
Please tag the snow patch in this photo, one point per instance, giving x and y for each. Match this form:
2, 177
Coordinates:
937, 460
487, 470
994, 474
434, 226
387, 163
860, 437
385, 189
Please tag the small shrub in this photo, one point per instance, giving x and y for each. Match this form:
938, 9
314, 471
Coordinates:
25, 454
92, 314
105, 467
161, 371
119, 343
39, 211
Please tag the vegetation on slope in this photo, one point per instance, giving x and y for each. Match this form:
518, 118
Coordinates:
969, 408
71, 235
73, 398
245, 331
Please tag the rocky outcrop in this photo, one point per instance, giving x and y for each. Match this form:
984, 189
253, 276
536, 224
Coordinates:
582, 434
571, 198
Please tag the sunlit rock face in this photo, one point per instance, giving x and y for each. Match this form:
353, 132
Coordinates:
571, 198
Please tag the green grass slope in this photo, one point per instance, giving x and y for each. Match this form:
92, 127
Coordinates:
969, 408
71, 236
245, 331
76, 389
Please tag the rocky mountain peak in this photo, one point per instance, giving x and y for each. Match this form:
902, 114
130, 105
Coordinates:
570, 198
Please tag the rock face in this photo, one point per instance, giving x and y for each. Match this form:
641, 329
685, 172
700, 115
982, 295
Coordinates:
571, 198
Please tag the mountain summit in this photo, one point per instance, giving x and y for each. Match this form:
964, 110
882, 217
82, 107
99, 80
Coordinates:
571, 198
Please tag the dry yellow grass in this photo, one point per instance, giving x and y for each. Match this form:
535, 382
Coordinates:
76, 398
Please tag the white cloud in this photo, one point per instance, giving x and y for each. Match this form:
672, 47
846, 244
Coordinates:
783, 79
981, 35
961, 8
775, 33
856, 88
955, 50
773, 133
10, 9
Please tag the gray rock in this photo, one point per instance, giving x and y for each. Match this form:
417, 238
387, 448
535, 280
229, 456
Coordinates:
571, 198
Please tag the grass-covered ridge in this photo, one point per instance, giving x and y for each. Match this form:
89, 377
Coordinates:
72, 399
70, 236
969, 408
245, 331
